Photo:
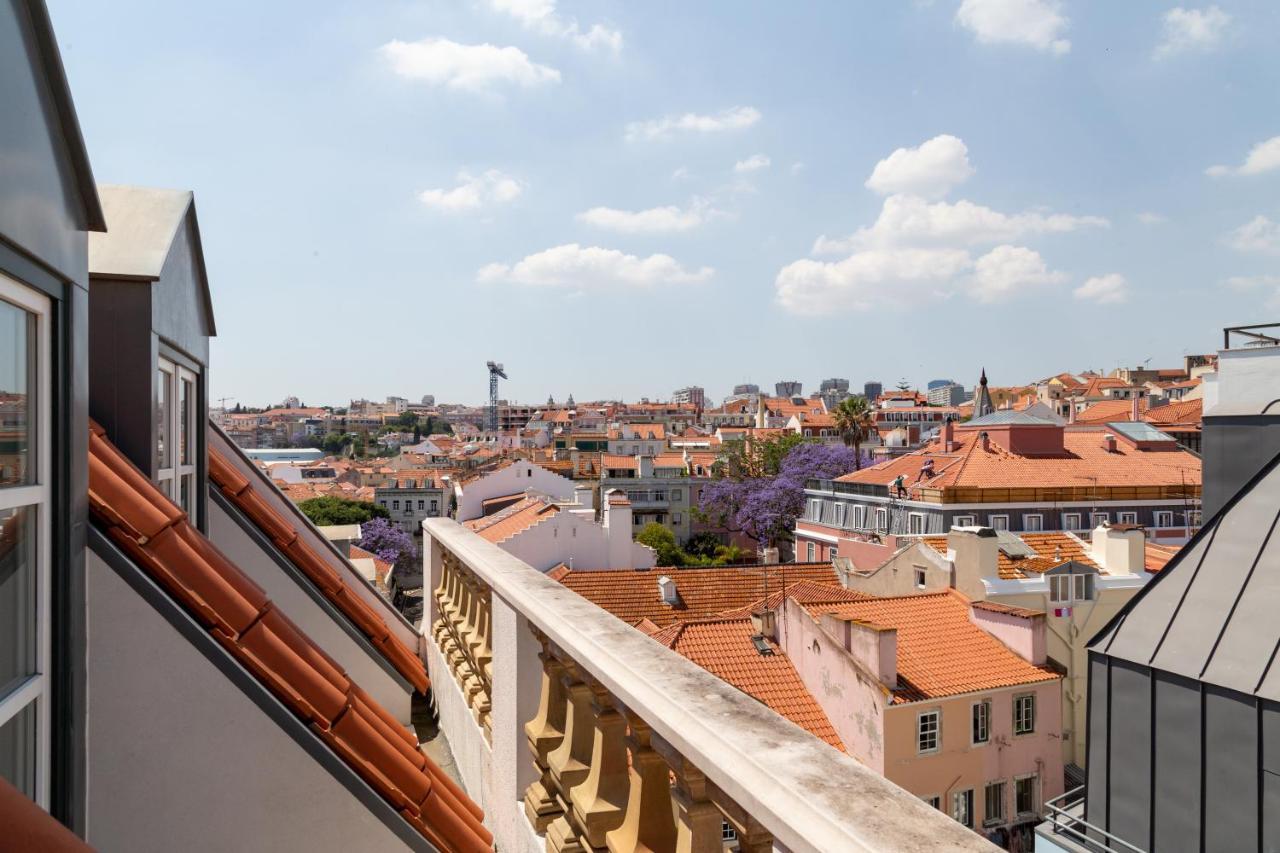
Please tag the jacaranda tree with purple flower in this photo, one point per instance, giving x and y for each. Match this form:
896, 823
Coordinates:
765, 508
390, 543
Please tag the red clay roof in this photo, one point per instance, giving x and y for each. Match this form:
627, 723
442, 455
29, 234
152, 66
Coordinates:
1084, 462
1052, 550
805, 592
243, 493
1158, 556
702, 593
517, 518
724, 648
940, 651
29, 827
156, 534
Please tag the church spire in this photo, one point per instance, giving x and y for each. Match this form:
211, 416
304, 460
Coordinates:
982, 400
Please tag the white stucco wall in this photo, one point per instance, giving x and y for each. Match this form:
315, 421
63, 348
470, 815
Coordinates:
295, 603
580, 542
179, 758
515, 478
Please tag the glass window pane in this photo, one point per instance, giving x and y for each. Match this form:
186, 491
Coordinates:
17, 596
18, 750
186, 407
184, 498
164, 450
17, 396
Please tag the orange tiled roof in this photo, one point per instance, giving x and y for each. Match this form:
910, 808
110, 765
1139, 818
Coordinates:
1084, 463
1052, 550
940, 651
805, 592
517, 518
638, 432
724, 648
242, 492
156, 534
668, 460
702, 593
380, 566
1180, 412
1158, 556
612, 460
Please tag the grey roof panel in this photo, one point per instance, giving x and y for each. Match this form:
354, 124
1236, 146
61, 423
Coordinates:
1139, 431
1212, 613
142, 223
1008, 416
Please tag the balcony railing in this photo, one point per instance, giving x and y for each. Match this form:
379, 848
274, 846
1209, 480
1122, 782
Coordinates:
1064, 820
576, 731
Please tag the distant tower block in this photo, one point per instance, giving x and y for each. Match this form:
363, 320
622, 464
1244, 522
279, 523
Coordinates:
495, 371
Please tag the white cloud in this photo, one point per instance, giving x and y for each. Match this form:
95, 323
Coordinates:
540, 16
655, 220
1006, 271
1149, 217
930, 170
866, 280
1034, 23
797, 167
1259, 234
580, 268
474, 192
1191, 29
1109, 289
909, 220
752, 164
1263, 157
734, 118
469, 67
1253, 283
680, 173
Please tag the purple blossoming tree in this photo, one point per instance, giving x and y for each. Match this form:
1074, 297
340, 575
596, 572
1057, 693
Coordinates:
390, 543
766, 508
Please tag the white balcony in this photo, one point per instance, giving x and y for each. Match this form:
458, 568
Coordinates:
574, 730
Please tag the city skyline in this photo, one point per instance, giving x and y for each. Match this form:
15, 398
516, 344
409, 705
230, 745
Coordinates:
909, 191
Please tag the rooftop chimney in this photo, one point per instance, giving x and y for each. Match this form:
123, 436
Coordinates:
667, 590
948, 435
765, 623
1109, 442
616, 519
1134, 413
986, 440
1119, 548
976, 556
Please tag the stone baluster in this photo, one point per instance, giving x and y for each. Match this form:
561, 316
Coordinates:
570, 762
698, 821
544, 733
599, 803
649, 823
752, 836
482, 659
441, 594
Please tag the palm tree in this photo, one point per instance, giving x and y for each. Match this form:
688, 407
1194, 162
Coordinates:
856, 422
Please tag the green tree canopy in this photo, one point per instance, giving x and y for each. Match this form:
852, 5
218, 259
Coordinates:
335, 510
662, 540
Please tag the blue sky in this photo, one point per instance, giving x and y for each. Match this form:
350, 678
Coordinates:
620, 199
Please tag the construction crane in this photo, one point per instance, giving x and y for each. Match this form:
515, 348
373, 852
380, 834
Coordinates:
222, 402
495, 371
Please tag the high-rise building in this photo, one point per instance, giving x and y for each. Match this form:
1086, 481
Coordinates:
872, 390
788, 388
692, 394
951, 394
428, 399
938, 383
745, 388
833, 385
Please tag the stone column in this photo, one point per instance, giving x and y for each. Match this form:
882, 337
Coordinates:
544, 734
570, 761
648, 823
698, 821
600, 802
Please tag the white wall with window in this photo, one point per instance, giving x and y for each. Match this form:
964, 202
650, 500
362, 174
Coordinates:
25, 521
1072, 521
998, 522
1033, 522
1163, 518
176, 438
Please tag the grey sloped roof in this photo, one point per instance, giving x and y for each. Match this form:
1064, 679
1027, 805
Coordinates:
142, 223
1001, 417
1212, 612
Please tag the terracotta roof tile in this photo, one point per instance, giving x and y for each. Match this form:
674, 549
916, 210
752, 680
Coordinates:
1158, 556
242, 492
941, 652
702, 593
29, 827
805, 592
1052, 550
724, 648
517, 518
156, 534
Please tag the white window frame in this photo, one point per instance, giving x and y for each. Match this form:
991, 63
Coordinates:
934, 800
810, 552
1033, 522
964, 521
980, 716
841, 511
1021, 703
936, 714
859, 517
35, 690
915, 520
921, 577
1164, 518
1127, 517
882, 519
1067, 523
1097, 518
1060, 589
171, 477
991, 522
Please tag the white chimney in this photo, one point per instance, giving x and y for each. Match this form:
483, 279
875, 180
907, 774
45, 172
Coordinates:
1109, 443
1120, 549
977, 555
582, 496
769, 556
616, 519
667, 590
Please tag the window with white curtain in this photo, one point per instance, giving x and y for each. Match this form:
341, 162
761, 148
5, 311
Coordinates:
25, 507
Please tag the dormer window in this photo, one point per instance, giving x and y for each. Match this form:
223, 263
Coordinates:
176, 434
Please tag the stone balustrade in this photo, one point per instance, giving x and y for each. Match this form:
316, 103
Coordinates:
576, 732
